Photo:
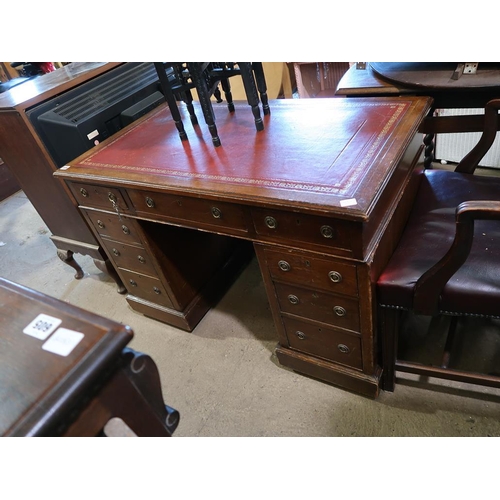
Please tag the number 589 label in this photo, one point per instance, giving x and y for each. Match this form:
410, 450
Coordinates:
42, 326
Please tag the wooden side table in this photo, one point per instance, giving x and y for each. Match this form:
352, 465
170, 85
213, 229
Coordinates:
66, 372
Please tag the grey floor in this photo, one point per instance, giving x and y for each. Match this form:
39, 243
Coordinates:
224, 377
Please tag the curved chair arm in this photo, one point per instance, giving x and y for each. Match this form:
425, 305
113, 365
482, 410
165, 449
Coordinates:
472, 159
428, 288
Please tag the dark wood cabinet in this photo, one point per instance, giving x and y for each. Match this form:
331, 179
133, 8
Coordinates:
32, 167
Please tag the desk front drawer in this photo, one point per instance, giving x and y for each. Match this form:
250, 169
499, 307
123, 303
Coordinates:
324, 342
145, 287
276, 225
130, 257
336, 310
110, 226
326, 274
184, 208
98, 196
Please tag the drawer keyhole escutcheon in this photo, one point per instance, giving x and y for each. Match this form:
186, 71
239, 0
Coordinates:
326, 231
142, 260
132, 282
116, 252
284, 265
156, 290
150, 202
339, 311
300, 335
125, 229
343, 349
100, 223
335, 276
293, 299
216, 213
84, 192
112, 198
271, 222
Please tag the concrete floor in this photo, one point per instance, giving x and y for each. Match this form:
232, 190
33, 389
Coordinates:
224, 377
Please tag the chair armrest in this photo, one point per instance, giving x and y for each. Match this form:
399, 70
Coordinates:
429, 286
472, 159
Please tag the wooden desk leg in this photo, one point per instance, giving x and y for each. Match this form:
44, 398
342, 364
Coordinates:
133, 394
251, 93
106, 267
67, 257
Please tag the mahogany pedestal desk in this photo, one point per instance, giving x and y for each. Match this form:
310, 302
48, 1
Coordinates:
322, 194
66, 372
448, 89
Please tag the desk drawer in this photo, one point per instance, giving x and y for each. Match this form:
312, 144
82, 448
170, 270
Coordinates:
185, 208
145, 287
278, 226
98, 196
324, 342
130, 257
327, 274
336, 310
110, 226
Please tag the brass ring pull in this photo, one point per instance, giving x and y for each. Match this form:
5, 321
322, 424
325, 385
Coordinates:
150, 202
156, 290
326, 231
116, 252
339, 311
343, 349
100, 223
132, 282
216, 212
271, 222
284, 265
335, 276
84, 192
142, 260
293, 299
125, 229
300, 335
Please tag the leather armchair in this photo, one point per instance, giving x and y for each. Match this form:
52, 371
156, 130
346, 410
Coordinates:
447, 261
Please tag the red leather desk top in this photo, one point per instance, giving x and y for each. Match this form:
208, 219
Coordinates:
317, 154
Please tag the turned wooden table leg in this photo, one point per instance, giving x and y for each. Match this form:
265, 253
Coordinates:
67, 257
106, 267
429, 150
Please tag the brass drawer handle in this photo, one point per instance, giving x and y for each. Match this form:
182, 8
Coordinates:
326, 231
84, 192
300, 335
335, 276
293, 299
132, 282
284, 265
339, 311
150, 202
116, 252
343, 349
112, 198
125, 229
216, 213
271, 222
156, 290
142, 260
100, 223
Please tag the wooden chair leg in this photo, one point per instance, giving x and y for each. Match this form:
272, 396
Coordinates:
251, 93
261, 86
389, 320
